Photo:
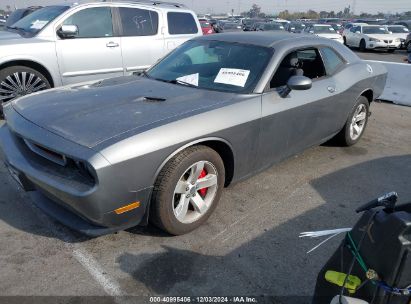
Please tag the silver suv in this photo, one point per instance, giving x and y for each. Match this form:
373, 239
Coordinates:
60, 45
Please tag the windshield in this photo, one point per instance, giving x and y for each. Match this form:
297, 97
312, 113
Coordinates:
398, 29
36, 21
324, 29
214, 65
298, 26
374, 30
273, 26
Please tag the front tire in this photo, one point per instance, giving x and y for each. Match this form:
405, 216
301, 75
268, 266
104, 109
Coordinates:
363, 46
356, 123
187, 190
18, 81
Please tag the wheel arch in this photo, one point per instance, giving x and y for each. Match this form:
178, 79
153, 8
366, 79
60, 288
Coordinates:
30, 64
369, 94
220, 145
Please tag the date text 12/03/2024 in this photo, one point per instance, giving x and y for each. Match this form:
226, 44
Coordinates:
239, 299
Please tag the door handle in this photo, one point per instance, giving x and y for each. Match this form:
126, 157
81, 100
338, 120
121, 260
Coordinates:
331, 89
112, 44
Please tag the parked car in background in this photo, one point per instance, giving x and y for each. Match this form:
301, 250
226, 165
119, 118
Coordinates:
337, 27
296, 27
371, 37
269, 26
323, 30
113, 154
231, 27
399, 31
248, 24
60, 45
206, 27
328, 20
20, 14
408, 41
2, 21
406, 23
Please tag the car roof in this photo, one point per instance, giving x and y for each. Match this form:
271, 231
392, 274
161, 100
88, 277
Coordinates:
147, 3
263, 39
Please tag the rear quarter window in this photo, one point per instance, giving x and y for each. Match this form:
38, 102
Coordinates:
181, 23
332, 61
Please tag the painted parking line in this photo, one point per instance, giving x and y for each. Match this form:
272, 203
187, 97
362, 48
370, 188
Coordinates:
89, 263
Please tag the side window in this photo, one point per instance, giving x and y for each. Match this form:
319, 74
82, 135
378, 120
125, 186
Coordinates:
306, 62
93, 22
138, 22
332, 61
181, 23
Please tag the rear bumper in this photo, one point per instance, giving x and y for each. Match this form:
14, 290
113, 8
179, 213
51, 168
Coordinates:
87, 209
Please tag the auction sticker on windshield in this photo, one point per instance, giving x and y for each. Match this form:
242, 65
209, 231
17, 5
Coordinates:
235, 77
191, 79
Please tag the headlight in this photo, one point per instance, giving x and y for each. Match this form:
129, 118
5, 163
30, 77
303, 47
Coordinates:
375, 39
398, 40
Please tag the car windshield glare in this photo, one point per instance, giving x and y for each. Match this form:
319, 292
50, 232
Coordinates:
36, 21
214, 65
374, 30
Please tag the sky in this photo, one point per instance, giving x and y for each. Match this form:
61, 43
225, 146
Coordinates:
268, 6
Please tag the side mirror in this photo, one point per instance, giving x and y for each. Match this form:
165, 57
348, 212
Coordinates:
297, 83
312, 32
68, 31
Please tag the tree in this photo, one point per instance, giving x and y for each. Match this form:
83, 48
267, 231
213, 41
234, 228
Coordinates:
254, 12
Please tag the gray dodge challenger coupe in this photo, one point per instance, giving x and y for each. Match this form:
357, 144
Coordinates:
161, 146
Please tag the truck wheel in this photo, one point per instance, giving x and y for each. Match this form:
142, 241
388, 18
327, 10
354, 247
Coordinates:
18, 81
187, 190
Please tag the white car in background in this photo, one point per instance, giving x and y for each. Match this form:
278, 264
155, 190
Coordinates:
325, 31
371, 37
398, 31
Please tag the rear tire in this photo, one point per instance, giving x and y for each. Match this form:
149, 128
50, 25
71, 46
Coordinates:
356, 123
178, 204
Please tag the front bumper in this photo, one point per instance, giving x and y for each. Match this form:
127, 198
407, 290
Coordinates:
383, 45
86, 208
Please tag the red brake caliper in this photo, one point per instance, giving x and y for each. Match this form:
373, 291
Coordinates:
203, 191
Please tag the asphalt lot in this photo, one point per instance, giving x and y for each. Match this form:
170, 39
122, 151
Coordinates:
398, 56
250, 246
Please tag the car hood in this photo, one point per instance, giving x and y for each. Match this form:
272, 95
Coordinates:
330, 36
381, 36
5, 35
93, 113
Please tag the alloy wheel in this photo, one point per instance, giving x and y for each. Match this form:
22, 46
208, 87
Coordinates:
195, 192
20, 84
358, 122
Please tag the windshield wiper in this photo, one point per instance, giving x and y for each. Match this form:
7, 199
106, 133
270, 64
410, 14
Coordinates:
20, 29
176, 81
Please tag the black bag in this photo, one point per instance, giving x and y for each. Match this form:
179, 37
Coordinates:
384, 241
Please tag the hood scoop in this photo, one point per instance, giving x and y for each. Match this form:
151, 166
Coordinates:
154, 99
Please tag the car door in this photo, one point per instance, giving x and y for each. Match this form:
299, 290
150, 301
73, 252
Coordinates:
94, 52
142, 42
301, 119
181, 26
